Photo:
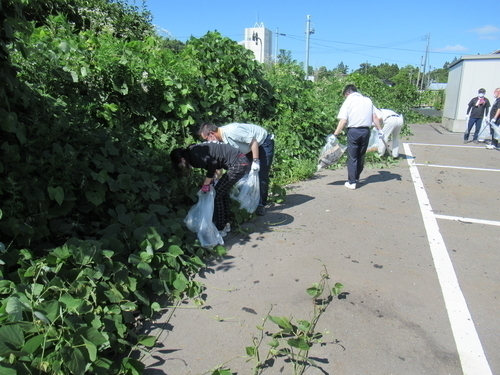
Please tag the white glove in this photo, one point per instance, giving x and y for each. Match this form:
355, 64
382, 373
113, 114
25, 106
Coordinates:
256, 165
493, 122
331, 138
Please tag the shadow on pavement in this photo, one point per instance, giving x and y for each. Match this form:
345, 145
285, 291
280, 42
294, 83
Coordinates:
381, 176
274, 217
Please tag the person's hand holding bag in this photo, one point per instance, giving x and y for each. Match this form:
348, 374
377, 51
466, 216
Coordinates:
256, 165
205, 188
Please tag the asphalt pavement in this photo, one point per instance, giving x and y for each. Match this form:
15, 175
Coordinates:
416, 247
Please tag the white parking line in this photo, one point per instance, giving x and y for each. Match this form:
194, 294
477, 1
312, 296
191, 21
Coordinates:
469, 346
452, 167
467, 220
438, 145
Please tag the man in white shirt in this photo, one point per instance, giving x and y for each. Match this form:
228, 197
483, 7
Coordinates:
252, 140
393, 122
358, 113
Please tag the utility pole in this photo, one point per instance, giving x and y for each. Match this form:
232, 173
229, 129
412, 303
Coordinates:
277, 49
418, 76
426, 58
309, 31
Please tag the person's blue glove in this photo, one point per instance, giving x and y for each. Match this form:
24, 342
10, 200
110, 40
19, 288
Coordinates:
380, 134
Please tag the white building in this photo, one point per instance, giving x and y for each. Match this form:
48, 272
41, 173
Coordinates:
259, 40
465, 77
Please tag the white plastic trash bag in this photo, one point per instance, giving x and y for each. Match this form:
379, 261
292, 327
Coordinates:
484, 133
496, 131
199, 220
247, 191
373, 141
330, 153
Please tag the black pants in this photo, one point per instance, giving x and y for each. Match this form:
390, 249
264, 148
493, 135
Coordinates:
357, 143
222, 203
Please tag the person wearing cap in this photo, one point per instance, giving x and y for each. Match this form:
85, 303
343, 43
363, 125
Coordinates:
252, 140
476, 110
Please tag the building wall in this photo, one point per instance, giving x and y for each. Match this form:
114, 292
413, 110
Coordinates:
465, 78
263, 46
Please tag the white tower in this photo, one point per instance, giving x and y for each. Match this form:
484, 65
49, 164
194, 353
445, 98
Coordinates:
259, 40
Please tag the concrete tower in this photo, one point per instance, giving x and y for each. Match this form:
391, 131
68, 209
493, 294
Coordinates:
259, 40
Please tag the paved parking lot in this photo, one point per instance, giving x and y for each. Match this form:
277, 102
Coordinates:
416, 246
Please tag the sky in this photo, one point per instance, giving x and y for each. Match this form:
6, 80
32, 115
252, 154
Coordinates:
354, 32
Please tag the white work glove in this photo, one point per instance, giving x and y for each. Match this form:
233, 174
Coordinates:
380, 134
256, 165
493, 122
331, 138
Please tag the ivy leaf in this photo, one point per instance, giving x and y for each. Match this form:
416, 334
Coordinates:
337, 289
299, 343
91, 348
75, 361
274, 343
11, 337
56, 194
6, 369
14, 309
282, 322
148, 341
33, 343
95, 197
175, 250
133, 366
145, 269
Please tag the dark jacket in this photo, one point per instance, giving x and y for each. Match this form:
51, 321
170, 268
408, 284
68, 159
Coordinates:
478, 111
212, 156
494, 109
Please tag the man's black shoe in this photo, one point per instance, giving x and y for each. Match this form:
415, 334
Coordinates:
260, 211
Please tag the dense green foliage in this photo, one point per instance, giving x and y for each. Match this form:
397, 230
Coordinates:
91, 213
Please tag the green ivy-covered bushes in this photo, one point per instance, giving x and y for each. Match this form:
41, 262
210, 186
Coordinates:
91, 213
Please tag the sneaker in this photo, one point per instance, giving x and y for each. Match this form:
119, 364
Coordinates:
350, 186
475, 141
260, 211
227, 228
490, 147
466, 141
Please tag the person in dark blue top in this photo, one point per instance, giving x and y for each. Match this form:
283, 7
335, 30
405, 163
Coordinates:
476, 110
214, 156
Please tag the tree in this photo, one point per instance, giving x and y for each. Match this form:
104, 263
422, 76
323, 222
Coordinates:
322, 73
386, 71
341, 68
406, 75
285, 57
366, 68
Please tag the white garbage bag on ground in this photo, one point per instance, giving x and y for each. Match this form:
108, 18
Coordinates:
484, 133
199, 220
